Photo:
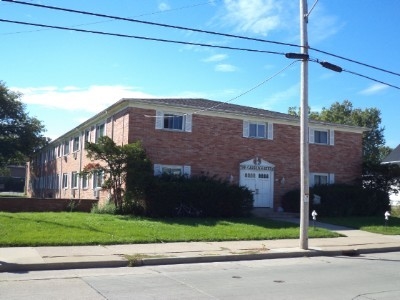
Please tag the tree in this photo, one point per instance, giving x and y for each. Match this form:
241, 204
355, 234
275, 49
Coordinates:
20, 135
376, 176
121, 162
344, 113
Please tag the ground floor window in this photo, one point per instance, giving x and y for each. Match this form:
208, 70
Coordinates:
65, 180
171, 170
321, 179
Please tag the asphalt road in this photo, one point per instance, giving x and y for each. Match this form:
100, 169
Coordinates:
374, 276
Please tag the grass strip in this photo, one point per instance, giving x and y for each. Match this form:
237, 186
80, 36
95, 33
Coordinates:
66, 228
370, 224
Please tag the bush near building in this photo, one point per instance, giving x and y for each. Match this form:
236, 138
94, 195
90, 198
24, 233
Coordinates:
340, 200
198, 196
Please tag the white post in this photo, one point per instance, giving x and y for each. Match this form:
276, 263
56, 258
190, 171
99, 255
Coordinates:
304, 163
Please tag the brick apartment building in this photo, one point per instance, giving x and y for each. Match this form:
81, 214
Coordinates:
247, 146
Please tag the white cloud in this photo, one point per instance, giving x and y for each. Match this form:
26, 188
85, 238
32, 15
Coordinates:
279, 100
374, 89
216, 57
163, 6
322, 25
225, 68
92, 99
255, 16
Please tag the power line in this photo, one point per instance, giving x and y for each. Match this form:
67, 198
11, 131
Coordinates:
370, 78
236, 97
151, 23
140, 15
178, 42
354, 61
141, 37
201, 31
340, 69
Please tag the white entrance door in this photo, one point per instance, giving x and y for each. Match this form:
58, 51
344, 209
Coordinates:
259, 179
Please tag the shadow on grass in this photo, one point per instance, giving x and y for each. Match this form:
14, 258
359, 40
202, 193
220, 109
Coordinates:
254, 221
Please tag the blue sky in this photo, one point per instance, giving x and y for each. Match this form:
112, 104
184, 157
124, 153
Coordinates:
66, 77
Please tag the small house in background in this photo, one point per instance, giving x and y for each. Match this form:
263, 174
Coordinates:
252, 147
393, 158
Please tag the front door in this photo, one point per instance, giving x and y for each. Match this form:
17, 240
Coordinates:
257, 176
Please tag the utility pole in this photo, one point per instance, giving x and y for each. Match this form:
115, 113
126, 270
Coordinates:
304, 161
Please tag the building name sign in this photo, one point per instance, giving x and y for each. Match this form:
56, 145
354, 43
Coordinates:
254, 167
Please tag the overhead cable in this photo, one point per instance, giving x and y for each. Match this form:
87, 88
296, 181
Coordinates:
140, 37
201, 31
151, 23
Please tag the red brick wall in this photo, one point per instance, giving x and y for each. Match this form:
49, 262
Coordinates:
42, 205
216, 146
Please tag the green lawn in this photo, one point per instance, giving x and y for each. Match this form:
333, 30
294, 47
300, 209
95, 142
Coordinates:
52, 229
371, 224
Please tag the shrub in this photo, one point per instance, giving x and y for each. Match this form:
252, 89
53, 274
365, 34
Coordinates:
340, 200
204, 196
108, 208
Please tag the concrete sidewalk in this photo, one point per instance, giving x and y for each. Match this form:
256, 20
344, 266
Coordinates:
355, 242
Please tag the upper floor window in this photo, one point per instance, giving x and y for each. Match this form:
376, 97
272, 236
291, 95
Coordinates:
75, 146
100, 131
260, 130
174, 121
66, 147
87, 136
321, 136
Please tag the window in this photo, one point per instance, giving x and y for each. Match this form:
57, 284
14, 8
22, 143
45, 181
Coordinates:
260, 130
66, 147
321, 178
85, 182
75, 145
98, 180
174, 121
321, 136
257, 130
99, 131
65, 180
172, 170
74, 180
87, 136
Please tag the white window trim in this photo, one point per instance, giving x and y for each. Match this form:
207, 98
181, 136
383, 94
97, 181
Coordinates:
187, 121
269, 126
330, 139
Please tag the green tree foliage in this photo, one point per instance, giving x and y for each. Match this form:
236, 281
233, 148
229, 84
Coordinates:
376, 177
344, 113
20, 135
118, 164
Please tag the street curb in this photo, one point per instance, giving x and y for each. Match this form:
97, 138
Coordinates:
15, 267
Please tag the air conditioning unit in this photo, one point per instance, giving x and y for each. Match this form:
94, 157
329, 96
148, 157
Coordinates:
75, 154
73, 193
96, 193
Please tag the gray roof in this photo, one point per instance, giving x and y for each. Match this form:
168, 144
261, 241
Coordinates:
393, 157
199, 105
